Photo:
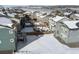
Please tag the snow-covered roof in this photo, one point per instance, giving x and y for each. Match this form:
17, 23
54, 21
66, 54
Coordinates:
27, 12
71, 24
67, 13
28, 24
2, 13
56, 19
11, 15
76, 15
43, 13
5, 21
42, 16
37, 23
17, 20
37, 14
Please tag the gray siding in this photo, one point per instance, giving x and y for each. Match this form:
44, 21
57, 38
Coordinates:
73, 36
62, 32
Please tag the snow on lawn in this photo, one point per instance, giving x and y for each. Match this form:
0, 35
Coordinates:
45, 44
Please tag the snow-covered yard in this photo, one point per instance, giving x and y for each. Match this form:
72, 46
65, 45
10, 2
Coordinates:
44, 44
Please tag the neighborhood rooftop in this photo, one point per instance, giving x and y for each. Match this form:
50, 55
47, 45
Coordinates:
71, 24
5, 21
76, 15
57, 18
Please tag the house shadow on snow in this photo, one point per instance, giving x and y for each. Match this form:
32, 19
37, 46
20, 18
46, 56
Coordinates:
30, 39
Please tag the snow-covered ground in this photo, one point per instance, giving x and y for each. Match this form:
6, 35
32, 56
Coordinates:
44, 44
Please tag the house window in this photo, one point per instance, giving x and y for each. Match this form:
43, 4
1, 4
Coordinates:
63, 36
64, 29
57, 32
